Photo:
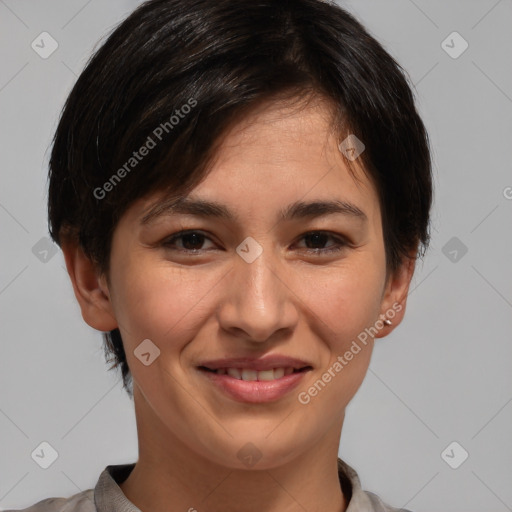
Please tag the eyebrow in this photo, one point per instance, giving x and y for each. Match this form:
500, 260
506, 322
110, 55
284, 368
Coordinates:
296, 210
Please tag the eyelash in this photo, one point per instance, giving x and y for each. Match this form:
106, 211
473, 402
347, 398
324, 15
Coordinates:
340, 242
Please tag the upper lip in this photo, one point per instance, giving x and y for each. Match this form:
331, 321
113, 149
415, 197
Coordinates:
258, 364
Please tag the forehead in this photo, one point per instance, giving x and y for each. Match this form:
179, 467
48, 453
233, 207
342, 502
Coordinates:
285, 142
278, 155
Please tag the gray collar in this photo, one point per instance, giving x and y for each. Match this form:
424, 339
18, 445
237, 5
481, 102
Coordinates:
108, 496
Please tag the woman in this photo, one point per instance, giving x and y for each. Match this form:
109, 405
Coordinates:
241, 190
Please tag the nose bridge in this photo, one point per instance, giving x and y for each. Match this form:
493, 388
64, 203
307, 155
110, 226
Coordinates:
257, 301
259, 280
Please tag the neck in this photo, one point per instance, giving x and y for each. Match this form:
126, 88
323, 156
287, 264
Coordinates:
169, 473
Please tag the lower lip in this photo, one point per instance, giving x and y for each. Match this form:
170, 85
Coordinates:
255, 391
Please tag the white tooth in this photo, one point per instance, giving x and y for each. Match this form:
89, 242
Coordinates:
249, 374
266, 375
235, 373
278, 373
252, 375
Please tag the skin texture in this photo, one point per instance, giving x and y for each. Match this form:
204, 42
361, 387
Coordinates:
289, 301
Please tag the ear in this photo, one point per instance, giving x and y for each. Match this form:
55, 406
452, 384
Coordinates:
90, 287
394, 297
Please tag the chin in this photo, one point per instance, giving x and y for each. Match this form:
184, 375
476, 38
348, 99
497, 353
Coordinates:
256, 452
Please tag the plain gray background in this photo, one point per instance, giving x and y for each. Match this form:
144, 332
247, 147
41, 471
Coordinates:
444, 375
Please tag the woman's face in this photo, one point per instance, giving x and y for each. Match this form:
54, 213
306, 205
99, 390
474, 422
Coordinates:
255, 280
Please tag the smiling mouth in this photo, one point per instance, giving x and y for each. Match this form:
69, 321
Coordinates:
247, 374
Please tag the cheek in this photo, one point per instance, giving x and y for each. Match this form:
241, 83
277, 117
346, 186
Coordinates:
345, 299
347, 304
156, 302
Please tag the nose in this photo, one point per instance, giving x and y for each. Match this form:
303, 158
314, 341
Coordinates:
258, 300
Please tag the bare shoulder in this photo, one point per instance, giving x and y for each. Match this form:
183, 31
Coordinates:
81, 502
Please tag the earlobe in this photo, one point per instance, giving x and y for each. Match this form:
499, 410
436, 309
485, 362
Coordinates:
395, 297
90, 288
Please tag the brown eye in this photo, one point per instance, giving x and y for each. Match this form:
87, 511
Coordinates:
191, 241
318, 239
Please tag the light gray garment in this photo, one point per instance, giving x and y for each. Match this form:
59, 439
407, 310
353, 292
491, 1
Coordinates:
107, 496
